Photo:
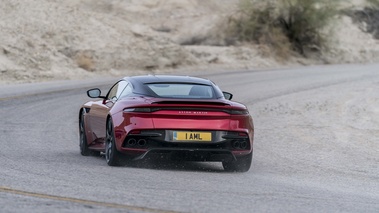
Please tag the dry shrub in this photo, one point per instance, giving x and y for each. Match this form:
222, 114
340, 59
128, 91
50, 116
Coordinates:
281, 46
303, 22
284, 25
368, 18
252, 21
85, 61
373, 3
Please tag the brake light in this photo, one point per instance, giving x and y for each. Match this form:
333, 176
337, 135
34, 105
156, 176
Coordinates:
242, 134
135, 132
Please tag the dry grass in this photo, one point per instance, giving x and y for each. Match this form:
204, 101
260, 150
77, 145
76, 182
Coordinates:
85, 61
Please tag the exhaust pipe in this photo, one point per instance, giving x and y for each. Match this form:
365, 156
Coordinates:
132, 142
243, 145
236, 144
141, 142
239, 144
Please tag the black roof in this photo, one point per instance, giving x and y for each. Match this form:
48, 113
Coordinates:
147, 79
139, 83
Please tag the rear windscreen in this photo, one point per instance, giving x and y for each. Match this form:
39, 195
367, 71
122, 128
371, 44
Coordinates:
175, 90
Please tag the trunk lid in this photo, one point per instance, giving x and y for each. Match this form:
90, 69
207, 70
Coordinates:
190, 115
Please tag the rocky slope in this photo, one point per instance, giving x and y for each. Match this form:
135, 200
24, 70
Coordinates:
49, 39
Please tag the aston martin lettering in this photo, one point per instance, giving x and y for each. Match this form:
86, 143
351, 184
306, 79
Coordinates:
193, 112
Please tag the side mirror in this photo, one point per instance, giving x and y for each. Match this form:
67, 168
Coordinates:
228, 95
94, 93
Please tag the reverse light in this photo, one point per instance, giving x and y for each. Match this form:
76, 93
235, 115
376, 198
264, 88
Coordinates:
137, 110
238, 112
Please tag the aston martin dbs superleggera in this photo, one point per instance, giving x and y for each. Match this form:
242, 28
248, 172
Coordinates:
178, 117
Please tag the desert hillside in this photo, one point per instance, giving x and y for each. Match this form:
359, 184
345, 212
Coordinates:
49, 39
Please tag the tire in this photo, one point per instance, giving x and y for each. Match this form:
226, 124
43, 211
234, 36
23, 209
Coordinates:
84, 150
112, 155
242, 164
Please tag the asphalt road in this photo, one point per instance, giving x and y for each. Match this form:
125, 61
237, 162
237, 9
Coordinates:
304, 157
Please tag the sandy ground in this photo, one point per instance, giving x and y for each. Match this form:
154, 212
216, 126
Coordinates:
43, 40
330, 130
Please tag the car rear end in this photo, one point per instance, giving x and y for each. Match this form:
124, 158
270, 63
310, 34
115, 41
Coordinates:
198, 130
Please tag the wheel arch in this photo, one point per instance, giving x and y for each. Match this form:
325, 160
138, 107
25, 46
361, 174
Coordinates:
109, 117
83, 109
80, 115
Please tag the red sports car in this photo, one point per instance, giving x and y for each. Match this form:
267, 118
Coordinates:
179, 117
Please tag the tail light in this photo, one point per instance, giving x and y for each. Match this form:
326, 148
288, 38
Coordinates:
238, 112
138, 109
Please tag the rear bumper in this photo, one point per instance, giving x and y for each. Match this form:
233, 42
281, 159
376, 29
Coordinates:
225, 146
186, 154
189, 154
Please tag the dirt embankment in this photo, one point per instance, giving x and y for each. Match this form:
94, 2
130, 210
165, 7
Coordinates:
49, 39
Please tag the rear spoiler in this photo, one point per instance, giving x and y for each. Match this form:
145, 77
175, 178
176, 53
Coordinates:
195, 102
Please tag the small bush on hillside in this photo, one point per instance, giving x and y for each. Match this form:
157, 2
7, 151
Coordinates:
368, 17
255, 22
85, 61
373, 3
299, 23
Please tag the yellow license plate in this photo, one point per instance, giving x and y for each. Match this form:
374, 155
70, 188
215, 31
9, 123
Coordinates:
192, 136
